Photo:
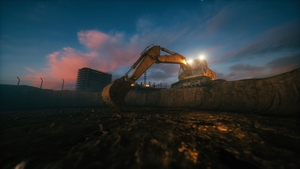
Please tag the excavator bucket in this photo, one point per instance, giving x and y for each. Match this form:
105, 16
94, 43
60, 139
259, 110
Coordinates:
114, 94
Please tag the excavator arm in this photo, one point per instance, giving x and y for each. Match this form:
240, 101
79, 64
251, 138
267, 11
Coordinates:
151, 56
115, 93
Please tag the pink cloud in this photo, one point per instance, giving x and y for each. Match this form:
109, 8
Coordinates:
93, 39
107, 53
31, 70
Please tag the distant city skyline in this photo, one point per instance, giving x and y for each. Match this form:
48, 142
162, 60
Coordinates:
53, 39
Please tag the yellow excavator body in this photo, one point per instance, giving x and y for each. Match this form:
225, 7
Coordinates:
195, 74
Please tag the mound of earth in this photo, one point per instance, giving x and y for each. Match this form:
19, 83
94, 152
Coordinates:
275, 95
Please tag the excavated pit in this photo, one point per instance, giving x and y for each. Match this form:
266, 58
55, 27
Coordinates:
241, 124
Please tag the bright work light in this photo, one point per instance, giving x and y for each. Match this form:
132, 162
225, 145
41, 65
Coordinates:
201, 57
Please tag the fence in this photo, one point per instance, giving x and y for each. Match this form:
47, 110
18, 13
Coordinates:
58, 84
43, 83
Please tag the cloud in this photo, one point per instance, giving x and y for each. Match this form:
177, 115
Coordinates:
272, 68
245, 67
241, 71
244, 71
222, 20
281, 38
284, 64
61, 65
105, 52
103, 55
165, 73
93, 39
218, 33
113, 51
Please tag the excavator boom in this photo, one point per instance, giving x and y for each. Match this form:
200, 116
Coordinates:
150, 56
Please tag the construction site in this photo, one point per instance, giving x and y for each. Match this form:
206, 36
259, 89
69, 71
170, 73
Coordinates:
200, 122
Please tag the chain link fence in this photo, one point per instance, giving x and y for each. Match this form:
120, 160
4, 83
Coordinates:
60, 84
43, 83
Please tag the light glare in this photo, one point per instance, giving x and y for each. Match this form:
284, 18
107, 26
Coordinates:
201, 57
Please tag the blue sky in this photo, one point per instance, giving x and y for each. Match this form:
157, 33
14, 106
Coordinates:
53, 39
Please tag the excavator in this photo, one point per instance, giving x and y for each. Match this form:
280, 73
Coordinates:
192, 74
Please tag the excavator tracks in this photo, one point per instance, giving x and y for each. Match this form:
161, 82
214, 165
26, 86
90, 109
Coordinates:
193, 82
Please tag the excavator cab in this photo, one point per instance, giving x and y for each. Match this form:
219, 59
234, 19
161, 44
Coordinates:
198, 67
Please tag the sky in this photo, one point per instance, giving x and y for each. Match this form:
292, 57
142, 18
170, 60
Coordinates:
53, 39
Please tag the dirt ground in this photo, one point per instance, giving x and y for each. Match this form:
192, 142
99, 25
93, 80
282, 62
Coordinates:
146, 138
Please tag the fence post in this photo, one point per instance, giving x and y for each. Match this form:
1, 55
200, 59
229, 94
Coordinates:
41, 83
62, 87
18, 81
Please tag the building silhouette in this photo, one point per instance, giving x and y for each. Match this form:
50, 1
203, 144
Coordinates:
92, 80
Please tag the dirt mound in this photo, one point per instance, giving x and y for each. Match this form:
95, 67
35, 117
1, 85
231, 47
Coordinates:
275, 95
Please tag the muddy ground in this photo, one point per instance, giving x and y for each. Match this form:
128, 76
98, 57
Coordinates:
146, 138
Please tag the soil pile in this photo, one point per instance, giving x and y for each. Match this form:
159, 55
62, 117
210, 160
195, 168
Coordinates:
275, 95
